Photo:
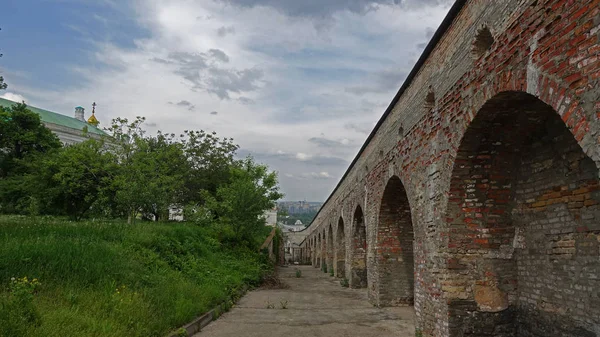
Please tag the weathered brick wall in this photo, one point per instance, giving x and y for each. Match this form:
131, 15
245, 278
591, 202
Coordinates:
313, 251
497, 251
340, 250
358, 251
394, 249
309, 252
522, 194
319, 249
330, 248
558, 222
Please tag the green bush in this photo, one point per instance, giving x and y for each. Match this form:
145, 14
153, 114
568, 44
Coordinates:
344, 282
17, 312
112, 279
331, 271
324, 267
298, 273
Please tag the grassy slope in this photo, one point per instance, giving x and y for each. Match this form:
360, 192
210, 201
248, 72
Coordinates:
111, 279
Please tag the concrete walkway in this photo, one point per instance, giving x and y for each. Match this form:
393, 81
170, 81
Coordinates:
316, 306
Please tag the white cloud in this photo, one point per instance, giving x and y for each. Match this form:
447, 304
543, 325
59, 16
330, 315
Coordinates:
277, 79
302, 156
13, 97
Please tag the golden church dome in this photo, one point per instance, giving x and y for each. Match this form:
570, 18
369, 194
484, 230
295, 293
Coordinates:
92, 120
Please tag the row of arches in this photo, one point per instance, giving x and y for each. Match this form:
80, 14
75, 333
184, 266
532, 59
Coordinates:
521, 223
393, 252
330, 251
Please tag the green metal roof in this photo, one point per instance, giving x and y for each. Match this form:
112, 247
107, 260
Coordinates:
56, 118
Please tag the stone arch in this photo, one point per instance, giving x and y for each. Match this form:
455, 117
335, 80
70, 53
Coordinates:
572, 111
318, 251
340, 250
523, 214
358, 275
324, 261
330, 249
310, 251
313, 251
394, 248
317, 248
307, 249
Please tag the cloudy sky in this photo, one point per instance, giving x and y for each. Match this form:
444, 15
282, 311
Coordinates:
298, 84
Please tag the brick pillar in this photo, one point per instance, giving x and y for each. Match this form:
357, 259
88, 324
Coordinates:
329, 250
340, 250
358, 271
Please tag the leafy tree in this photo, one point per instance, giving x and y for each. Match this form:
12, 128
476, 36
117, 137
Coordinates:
151, 169
126, 185
239, 205
124, 137
132, 173
23, 139
282, 212
73, 181
161, 165
210, 158
22, 134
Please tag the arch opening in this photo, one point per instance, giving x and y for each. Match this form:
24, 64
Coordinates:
394, 249
524, 222
318, 251
359, 252
329, 251
313, 251
324, 248
340, 251
311, 254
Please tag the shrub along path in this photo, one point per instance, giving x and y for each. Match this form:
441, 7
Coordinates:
316, 305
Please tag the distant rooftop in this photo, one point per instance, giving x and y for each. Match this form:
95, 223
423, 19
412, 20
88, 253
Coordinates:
56, 118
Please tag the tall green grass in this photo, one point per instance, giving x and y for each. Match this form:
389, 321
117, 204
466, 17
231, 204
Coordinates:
112, 279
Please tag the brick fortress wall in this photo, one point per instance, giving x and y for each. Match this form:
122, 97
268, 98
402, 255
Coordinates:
496, 144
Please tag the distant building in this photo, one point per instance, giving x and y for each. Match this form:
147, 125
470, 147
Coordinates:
297, 227
69, 130
176, 213
292, 249
271, 217
300, 207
